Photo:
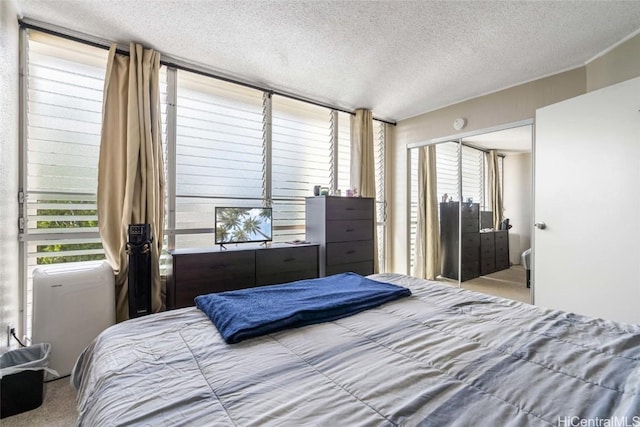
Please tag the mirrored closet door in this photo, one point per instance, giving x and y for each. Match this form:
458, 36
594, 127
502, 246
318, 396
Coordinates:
478, 177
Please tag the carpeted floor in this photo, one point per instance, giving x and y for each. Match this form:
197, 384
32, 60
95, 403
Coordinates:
59, 406
510, 283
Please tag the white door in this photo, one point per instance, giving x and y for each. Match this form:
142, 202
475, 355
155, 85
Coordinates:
587, 192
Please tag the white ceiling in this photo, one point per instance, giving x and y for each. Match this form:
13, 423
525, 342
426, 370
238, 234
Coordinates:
513, 140
397, 58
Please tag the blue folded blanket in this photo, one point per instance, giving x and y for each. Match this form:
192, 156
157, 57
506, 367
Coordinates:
252, 312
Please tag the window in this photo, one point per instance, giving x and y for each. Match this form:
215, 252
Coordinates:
448, 179
473, 173
379, 138
344, 152
413, 205
63, 100
225, 145
302, 156
220, 154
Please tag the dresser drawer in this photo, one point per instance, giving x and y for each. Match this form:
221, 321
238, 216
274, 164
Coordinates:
470, 248
470, 240
487, 254
487, 241
487, 250
362, 268
501, 240
349, 230
206, 273
470, 270
349, 252
217, 265
283, 265
286, 259
349, 208
470, 211
487, 265
502, 263
502, 250
470, 225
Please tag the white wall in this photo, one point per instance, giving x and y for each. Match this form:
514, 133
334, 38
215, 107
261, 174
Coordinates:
9, 265
517, 202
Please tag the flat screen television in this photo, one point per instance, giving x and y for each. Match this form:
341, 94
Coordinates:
243, 225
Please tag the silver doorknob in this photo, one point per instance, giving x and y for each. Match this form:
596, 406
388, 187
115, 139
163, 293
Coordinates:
540, 225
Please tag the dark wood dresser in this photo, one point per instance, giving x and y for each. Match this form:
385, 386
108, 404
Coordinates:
482, 252
344, 227
449, 238
494, 251
196, 272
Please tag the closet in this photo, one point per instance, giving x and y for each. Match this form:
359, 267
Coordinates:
470, 244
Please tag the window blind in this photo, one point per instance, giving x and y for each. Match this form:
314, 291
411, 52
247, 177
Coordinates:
344, 152
302, 153
379, 138
448, 181
64, 86
220, 154
473, 175
64, 102
413, 205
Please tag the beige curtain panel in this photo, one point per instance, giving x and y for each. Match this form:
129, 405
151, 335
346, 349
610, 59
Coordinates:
363, 177
495, 188
130, 168
427, 255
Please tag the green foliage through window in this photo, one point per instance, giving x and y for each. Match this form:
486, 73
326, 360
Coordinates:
65, 218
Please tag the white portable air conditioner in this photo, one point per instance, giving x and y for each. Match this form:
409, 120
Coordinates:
72, 304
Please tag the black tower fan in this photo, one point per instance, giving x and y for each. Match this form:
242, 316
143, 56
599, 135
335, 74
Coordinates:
139, 250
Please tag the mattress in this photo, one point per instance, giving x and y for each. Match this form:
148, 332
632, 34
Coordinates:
443, 356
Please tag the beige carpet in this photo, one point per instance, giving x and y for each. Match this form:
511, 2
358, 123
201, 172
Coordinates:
510, 283
58, 408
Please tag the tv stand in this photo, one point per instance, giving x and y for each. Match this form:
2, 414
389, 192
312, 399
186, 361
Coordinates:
201, 271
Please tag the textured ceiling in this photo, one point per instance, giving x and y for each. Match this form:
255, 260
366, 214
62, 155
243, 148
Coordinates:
398, 58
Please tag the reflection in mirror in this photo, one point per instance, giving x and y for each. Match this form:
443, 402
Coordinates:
476, 179
496, 188
435, 200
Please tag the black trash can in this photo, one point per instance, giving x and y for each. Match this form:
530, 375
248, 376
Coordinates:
22, 378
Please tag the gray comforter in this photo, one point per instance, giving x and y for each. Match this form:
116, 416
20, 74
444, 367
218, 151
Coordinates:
442, 356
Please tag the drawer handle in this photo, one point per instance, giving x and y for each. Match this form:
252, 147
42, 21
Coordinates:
218, 267
351, 252
288, 259
349, 230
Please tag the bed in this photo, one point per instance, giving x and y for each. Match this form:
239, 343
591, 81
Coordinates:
442, 356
